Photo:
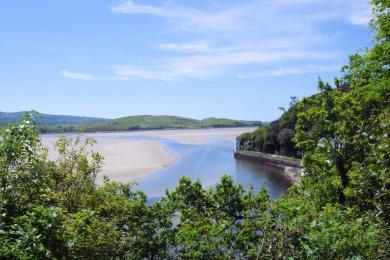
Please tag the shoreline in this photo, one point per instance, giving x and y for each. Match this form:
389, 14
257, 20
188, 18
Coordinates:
144, 130
184, 136
127, 160
133, 155
290, 167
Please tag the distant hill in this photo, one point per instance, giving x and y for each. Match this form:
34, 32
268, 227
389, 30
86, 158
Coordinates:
225, 122
145, 122
58, 123
45, 119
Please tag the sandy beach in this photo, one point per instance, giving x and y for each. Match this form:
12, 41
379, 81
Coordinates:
131, 160
185, 136
198, 136
128, 160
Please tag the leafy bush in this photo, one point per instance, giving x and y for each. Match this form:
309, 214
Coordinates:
340, 210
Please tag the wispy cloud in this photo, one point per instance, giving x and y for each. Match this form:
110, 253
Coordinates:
202, 66
129, 7
132, 73
186, 18
76, 75
184, 47
360, 14
265, 33
291, 71
254, 14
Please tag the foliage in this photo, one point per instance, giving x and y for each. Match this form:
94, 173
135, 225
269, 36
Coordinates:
163, 122
64, 124
276, 137
49, 120
53, 209
340, 210
225, 122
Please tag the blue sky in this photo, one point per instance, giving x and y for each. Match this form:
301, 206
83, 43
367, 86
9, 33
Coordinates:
222, 58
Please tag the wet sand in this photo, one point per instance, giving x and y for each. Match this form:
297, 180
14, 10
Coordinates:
129, 159
135, 159
185, 136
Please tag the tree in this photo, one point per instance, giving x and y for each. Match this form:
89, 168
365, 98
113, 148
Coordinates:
293, 100
340, 210
285, 141
343, 129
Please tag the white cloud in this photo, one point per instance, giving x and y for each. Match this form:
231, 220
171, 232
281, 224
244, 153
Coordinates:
291, 71
187, 18
133, 73
360, 14
202, 66
269, 15
130, 8
76, 75
221, 38
186, 47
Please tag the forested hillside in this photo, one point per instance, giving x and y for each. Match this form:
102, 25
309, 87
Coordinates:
276, 137
340, 210
145, 122
65, 124
50, 120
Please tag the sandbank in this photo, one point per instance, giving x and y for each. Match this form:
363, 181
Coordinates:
128, 160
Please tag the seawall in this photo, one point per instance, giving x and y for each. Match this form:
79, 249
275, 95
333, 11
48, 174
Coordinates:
291, 168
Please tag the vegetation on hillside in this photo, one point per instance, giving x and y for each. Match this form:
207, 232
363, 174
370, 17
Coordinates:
340, 210
66, 124
276, 137
148, 122
49, 120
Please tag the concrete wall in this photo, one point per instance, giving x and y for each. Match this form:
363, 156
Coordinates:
269, 158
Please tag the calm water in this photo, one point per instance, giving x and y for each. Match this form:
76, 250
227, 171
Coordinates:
206, 162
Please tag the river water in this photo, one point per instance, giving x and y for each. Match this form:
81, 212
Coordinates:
206, 162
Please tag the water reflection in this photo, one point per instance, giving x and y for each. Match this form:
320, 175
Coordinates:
208, 162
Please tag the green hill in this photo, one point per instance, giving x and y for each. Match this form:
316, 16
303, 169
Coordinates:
46, 119
59, 124
225, 122
145, 122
